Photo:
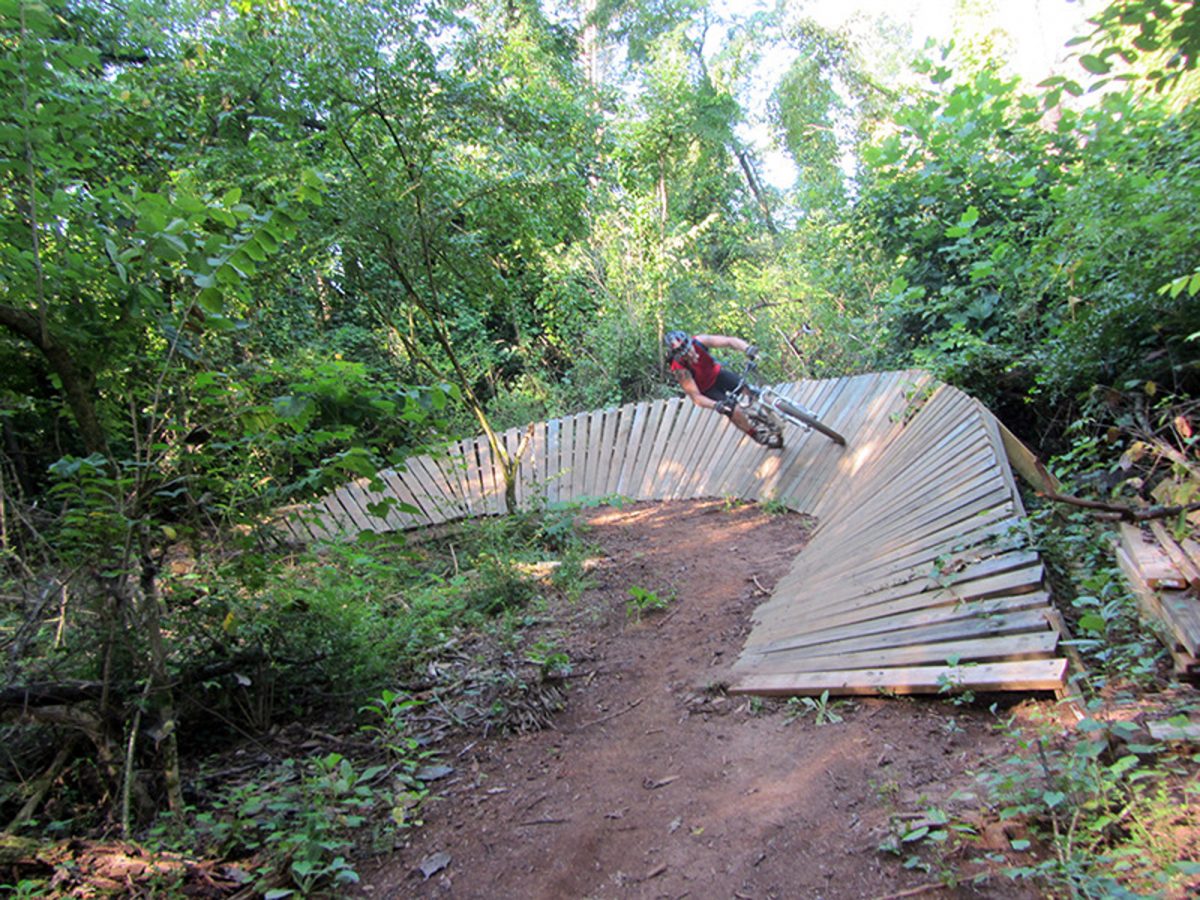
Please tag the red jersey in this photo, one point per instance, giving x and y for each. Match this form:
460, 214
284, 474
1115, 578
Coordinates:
705, 369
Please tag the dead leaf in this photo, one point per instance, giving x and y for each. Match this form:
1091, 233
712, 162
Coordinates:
434, 863
432, 773
650, 783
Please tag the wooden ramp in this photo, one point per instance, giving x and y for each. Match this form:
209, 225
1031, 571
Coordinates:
919, 577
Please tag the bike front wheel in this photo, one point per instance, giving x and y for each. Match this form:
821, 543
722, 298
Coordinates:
797, 416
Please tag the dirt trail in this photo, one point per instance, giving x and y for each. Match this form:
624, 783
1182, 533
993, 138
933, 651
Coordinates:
653, 784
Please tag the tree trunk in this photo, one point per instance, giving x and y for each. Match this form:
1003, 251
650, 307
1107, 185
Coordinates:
77, 382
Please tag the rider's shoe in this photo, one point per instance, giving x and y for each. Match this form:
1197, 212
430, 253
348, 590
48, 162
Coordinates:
768, 438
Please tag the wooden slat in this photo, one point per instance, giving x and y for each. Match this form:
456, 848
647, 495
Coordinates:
566, 458
1008, 613
632, 446
337, 521
491, 477
602, 464
673, 410
655, 414
363, 497
1188, 570
350, 503
692, 449
898, 553
619, 446
1029, 675
798, 618
968, 651
579, 449
399, 489
552, 471
426, 481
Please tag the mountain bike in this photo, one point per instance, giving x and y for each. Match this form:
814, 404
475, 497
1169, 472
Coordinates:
764, 406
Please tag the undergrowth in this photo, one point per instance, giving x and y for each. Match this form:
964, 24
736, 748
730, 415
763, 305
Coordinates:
389, 642
1095, 807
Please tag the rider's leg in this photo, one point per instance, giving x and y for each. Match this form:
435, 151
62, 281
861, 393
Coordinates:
740, 420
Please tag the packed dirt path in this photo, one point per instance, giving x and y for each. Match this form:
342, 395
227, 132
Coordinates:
655, 783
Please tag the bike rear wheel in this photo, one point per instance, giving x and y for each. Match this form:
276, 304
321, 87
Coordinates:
793, 413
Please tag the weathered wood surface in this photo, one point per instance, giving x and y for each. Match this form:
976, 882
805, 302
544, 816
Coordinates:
919, 576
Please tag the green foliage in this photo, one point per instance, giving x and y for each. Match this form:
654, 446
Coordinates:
1147, 39
642, 601
1104, 802
824, 711
1007, 232
304, 819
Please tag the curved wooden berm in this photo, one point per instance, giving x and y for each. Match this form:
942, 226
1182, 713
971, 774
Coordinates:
919, 577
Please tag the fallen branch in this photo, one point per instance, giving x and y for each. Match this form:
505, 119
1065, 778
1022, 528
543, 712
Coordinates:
1120, 512
619, 712
914, 892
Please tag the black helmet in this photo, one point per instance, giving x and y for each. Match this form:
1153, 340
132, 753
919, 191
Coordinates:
677, 343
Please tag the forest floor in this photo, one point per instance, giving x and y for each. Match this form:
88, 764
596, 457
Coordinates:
654, 782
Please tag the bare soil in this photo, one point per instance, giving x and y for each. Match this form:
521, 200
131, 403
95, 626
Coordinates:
654, 782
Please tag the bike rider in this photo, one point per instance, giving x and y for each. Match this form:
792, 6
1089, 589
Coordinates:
707, 383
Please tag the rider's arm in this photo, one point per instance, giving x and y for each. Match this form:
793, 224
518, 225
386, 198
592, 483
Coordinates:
688, 383
724, 340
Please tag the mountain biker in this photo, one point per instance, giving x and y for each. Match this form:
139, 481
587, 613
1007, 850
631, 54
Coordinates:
707, 383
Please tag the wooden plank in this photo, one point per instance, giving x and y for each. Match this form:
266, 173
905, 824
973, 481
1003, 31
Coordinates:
336, 521
1150, 602
1025, 462
358, 491
439, 475
1028, 675
579, 450
796, 617
350, 503
422, 485
490, 477
552, 469
967, 651
683, 445
1011, 613
937, 442
802, 487
909, 515
462, 457
323, 523
673, 411
954, 632
646, 440
901, 562
600, 451
611, 484
1152, 561
424, 480
926, 528
532, 489
1188, 570
400, 490
693, 452
945, 409
629, 446
306, 522
566, 458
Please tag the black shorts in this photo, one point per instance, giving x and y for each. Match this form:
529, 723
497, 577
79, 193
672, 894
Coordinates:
726, 382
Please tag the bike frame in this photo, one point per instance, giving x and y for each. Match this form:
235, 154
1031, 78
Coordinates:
748, 395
